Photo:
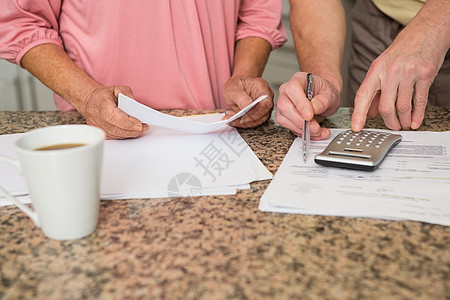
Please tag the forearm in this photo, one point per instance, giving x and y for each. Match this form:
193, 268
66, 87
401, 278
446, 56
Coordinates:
52, 66
250, 57
319, 29
434, 19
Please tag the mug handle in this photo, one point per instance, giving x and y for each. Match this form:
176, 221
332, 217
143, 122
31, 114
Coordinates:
33, 216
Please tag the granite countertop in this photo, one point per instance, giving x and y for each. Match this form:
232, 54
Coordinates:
216, 247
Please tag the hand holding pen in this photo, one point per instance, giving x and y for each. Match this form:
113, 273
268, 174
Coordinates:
309, 92
293, 107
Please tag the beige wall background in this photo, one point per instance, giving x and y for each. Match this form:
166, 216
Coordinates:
21, 91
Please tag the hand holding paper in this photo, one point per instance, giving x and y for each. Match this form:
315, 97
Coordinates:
153, 117
153, 166
240, 90
100, 110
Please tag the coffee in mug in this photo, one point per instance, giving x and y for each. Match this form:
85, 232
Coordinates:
58, 147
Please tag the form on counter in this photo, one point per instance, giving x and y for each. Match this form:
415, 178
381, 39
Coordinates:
164, 163
412, 183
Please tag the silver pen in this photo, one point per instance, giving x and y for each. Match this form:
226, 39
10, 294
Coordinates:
309, 91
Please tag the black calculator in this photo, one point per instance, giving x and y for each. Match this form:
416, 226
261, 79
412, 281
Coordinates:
364, 150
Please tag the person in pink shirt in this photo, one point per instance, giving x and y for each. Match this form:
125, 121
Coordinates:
172, 54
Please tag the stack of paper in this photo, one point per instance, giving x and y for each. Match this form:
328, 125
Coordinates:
168, 163
165, 162
413, 183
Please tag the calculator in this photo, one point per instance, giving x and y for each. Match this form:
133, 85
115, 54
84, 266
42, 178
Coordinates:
364, 150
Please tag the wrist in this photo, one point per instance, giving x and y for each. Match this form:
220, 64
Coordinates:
433, 19
80, 99
333, 77
251, 55
247, 71
328, 71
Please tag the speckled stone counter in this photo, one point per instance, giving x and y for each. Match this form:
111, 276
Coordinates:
220, 247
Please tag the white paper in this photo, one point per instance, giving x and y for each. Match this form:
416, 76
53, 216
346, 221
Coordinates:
154, 165
412, 183
150, 116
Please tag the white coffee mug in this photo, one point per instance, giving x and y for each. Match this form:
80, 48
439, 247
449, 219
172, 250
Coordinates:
64, 184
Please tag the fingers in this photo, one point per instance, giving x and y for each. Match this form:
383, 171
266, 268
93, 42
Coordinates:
373, 110
326, 98
420, 103
118, 125
288, 113
102, 111
254, 117
364, 97
387, 105
122, 89
294, 92
296, 128
404, 104
257, 115
292, 101
241, 91
248, 124
316, 132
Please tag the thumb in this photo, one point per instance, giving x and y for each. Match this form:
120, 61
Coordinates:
318, 104
122, 90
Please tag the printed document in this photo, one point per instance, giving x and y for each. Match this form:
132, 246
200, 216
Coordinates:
412, 183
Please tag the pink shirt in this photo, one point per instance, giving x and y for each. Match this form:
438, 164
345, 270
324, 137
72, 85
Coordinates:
172, 53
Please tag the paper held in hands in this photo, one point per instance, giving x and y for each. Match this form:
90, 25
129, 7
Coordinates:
164, 162
150, 116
